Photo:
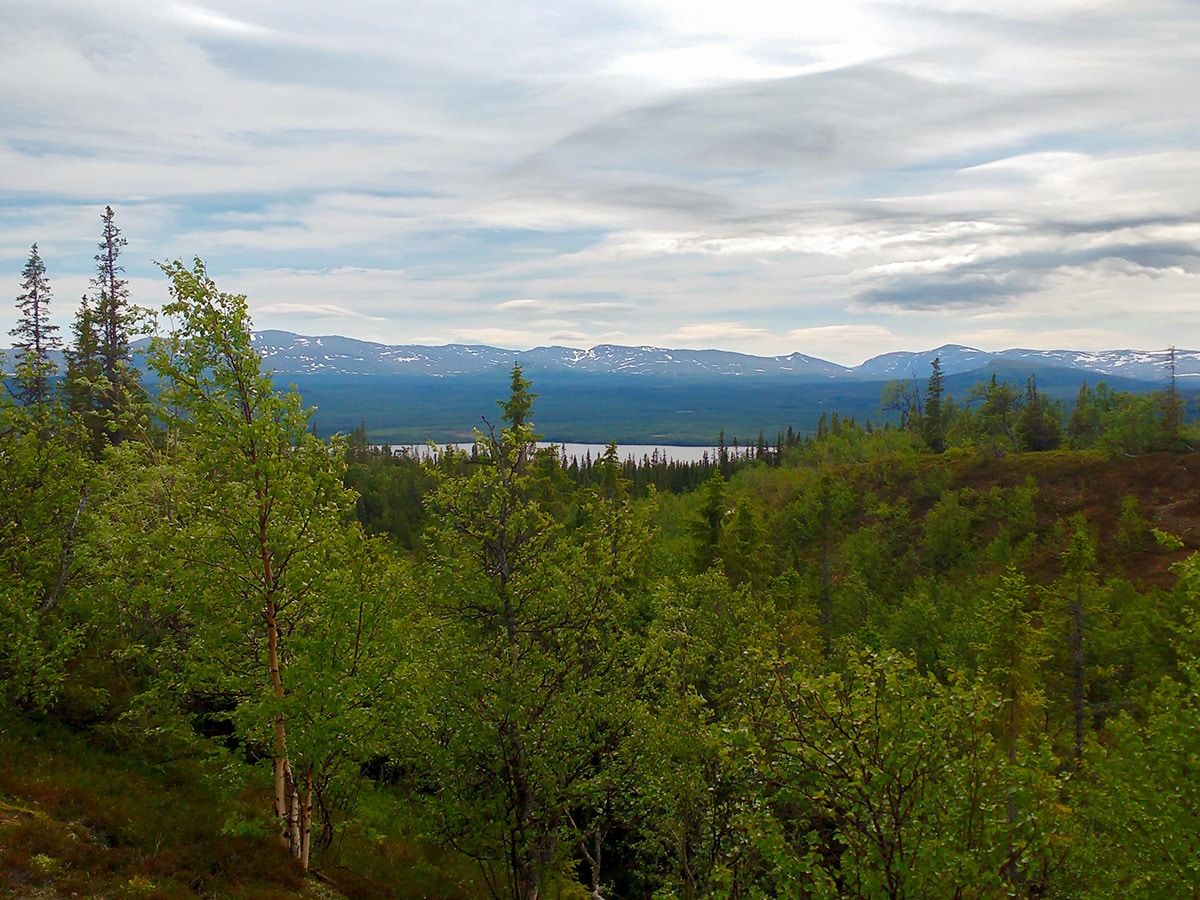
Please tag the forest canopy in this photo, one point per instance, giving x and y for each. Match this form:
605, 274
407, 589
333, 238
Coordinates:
952, 656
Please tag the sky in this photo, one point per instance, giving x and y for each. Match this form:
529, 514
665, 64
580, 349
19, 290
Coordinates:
841, 179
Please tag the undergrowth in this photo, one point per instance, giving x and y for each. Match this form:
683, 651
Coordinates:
86, 814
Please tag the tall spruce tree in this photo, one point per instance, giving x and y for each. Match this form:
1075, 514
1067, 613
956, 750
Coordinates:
111, 298
1000, 410
1172, 408
933, 424
100, 374
35, 336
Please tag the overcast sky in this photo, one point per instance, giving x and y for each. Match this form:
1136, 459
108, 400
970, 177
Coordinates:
840, 178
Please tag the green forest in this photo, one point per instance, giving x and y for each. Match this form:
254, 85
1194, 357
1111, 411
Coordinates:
953, 655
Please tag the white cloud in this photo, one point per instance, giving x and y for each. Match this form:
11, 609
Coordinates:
205, 19
720, 334
314, 310
510, 338
699, 65
845, 344
752, 175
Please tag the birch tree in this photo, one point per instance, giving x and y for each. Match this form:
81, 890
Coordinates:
893, 781
283, 605
44, 482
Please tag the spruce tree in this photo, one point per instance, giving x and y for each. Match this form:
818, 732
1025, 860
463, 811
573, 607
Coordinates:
933, 425
85, 370
519, 406
1000, 410
101, 379
35, 336
111, 297
516, 411
1039, 426
1172, 407
705, 529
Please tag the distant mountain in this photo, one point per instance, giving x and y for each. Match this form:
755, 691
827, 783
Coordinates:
953, 358
1139, 365
406, 393
288, 353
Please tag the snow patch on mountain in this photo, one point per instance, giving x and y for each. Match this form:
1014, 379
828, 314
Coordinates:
288, 353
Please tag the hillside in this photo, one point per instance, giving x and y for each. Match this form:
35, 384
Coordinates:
240, 659
89, 809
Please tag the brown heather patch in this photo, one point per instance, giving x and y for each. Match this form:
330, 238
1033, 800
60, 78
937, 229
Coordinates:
77, 820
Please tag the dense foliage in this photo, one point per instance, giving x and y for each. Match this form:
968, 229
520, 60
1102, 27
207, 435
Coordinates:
950, 657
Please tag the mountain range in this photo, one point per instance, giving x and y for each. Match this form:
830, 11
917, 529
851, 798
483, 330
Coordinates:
413, 393
287, 353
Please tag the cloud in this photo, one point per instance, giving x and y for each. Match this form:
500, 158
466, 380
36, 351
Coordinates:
314, 310
206, 19
846, 344
722, 333
511, 338
946, 293
974, 281
647, 170
542, 306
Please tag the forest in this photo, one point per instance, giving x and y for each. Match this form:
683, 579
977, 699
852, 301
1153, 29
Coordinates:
954, 654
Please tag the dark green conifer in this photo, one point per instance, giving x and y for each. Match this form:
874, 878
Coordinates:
34, 335
933, 424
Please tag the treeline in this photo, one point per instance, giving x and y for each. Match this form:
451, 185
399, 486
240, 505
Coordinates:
391, 484
100, 379
898, 661
996, 415
995, 419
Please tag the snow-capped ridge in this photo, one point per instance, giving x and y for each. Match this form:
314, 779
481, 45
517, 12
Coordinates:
286, 353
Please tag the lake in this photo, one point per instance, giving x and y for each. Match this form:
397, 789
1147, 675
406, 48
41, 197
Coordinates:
670, 452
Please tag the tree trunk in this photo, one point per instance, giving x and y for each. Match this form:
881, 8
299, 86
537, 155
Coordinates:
1077, 652
280, 749
294, 840
1012, 871
826, 595
65, 557
306, 821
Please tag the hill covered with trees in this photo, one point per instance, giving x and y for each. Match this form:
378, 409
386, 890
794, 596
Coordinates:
951, 657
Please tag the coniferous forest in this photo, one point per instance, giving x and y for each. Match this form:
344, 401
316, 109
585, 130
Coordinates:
953, 655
